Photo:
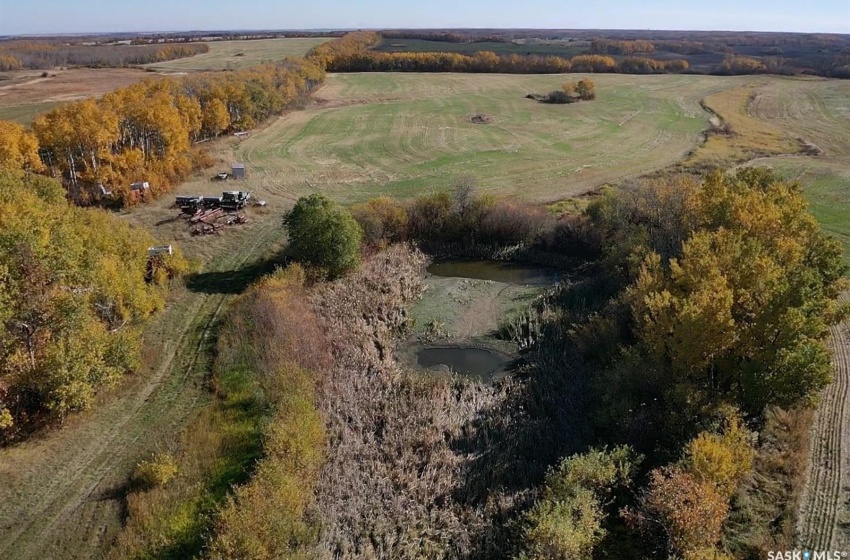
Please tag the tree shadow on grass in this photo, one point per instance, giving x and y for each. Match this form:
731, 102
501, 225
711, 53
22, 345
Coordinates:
234, 281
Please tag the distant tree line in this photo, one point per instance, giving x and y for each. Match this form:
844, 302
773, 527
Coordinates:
445, 36
718, 53
606, 46
490, 62
216, 37
37, 55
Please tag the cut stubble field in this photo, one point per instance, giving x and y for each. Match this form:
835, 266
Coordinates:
237, 55
25, 94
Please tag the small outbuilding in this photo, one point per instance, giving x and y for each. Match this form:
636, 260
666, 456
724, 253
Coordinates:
237, 170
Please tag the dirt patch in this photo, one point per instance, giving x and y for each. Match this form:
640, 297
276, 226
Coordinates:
480, 119
462, 312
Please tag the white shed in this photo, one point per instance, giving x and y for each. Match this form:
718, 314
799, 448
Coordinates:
237, 170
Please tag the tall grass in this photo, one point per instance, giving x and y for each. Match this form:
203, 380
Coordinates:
262, 415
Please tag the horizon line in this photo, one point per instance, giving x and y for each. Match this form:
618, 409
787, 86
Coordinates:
378, 29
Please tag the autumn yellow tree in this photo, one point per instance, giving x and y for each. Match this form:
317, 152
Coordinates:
74, 291
18, 148
684, 513
730, 314
723, 459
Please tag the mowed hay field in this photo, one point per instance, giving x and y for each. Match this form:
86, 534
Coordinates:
404, 134
235, 55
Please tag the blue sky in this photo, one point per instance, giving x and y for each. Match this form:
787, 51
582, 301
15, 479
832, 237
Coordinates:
81, 16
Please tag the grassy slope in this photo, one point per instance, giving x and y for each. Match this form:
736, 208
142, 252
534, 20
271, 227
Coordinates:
817, 112
222, 55
24, 113
402, 134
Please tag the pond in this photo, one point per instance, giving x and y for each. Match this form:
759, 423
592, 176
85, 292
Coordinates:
475, 363
505, 272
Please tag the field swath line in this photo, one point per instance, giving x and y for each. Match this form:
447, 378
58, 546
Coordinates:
826, 491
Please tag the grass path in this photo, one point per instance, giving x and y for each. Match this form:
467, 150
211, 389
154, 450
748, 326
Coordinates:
70, 479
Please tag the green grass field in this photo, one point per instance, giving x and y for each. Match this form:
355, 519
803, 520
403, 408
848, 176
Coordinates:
24, 113
235, 55
401, 135
404, 134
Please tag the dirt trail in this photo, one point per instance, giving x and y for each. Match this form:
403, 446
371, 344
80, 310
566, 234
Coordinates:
822, 519
64, 503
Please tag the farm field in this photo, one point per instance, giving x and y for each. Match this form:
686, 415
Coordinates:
26, 93
404, 134
235, 55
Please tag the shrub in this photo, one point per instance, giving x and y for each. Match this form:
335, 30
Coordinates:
156, 472
723, 459
558, 96
685, 514
567, 521
324, 235
383, 221
586, 90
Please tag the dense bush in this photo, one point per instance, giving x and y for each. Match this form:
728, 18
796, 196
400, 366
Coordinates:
735, 64
569, 518
323, 235
714, 294
462, 218
72, 298
383, 220
732, 287
558, 96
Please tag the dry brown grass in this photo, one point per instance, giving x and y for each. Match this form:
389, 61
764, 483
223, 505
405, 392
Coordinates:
236, 55
746, 136
390, 486
764, 510
27, 87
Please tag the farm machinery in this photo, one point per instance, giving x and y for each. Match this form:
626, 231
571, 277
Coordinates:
229, 201
209, 214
